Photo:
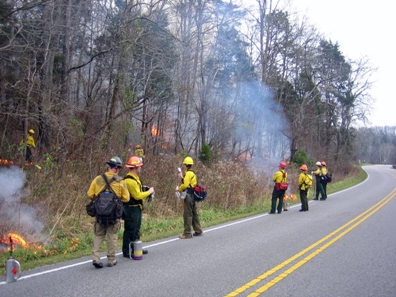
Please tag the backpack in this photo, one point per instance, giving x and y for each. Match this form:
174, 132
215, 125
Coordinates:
329, 177
108, 206
308, 181
199, 193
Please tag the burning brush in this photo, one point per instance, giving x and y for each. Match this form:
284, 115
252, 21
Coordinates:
14, 238
291, 198
5, 162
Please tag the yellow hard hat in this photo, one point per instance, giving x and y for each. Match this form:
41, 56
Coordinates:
188, 161
31, 131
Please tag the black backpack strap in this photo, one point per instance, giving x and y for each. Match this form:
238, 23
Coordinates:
108, 183
133, 201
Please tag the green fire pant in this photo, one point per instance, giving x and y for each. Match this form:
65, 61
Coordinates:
275, 196
319, 190
304, 199
190, 215
132, 223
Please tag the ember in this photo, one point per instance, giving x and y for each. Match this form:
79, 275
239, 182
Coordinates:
6, 162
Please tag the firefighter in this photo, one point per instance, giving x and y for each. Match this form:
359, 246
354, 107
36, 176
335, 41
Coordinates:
279, 177
133, 208
30, 144
303, 184
190, 213
139, 151
319, 184
324, 179
119, 188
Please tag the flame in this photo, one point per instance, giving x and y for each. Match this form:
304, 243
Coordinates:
291, 198
154, 131
6, 162
38, 249
18, 239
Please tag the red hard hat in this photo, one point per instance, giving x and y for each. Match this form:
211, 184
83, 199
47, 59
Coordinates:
304, 167
323, 163
282, 165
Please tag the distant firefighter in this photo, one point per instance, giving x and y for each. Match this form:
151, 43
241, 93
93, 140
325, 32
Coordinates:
139, 151
29, 145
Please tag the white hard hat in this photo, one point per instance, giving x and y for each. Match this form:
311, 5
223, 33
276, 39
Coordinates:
318, 164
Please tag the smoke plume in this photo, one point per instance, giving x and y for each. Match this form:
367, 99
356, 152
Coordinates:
16, 216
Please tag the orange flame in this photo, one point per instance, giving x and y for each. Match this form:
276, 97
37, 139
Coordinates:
6, 162
17, 239
291, 198
38, 250
154, 131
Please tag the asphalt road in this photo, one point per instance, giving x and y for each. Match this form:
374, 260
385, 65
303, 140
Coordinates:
345, 246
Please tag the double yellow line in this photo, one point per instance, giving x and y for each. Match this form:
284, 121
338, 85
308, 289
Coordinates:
343, 230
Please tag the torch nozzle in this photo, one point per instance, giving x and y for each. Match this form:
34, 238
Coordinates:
11, 246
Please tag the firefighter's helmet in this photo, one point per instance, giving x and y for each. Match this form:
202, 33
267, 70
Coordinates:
115, 162
323, 163
138, 146
31, 131
282, 165
304, 167
318, 164
133, 162
188, 161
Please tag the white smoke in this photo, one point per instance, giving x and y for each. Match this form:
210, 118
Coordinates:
14, 214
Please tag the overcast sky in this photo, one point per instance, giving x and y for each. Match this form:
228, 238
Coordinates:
362, 29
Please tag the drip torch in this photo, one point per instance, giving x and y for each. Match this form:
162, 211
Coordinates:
13, 268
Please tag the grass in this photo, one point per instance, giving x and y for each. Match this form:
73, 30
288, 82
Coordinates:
67, 248
347, 182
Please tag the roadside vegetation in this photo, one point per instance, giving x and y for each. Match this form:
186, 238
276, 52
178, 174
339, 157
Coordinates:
234, 192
